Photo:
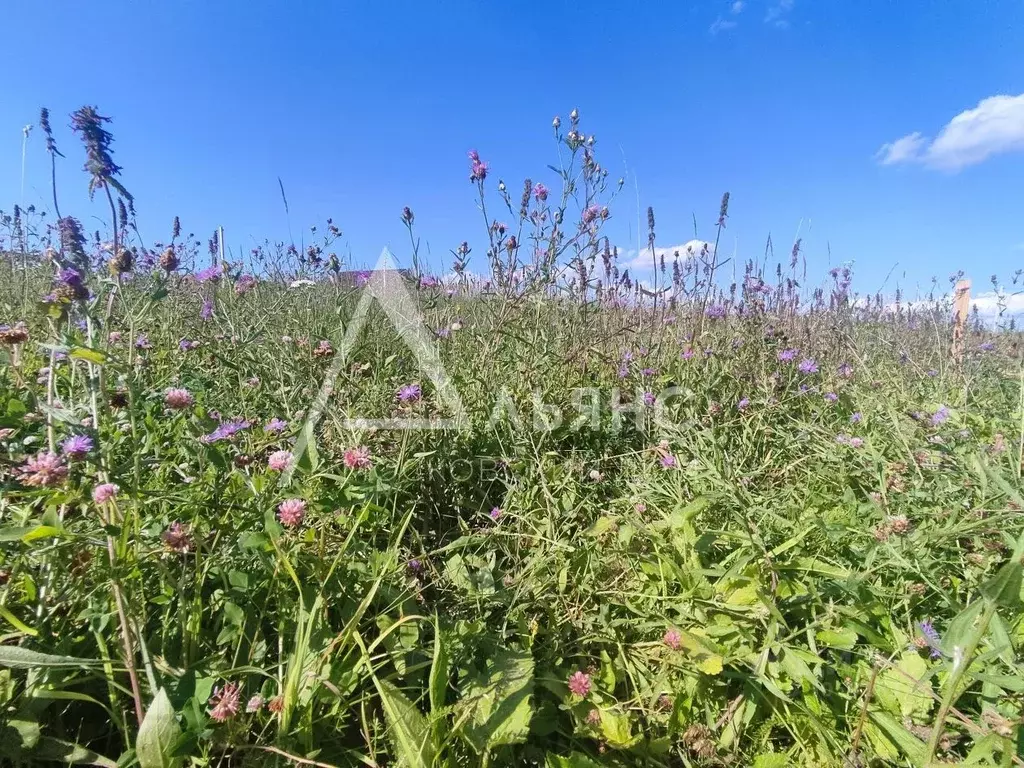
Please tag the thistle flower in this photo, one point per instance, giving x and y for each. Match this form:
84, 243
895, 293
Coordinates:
275, 426
18, 334
142, 342
409, 393
104, 492
357, 458
206, 311
225, 702
178, 399
44, 470
540, 192
279, 461
177, 538
76, 446
579, 683
291, 511
477, 168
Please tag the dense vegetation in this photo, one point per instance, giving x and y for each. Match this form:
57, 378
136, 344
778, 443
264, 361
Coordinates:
675, 523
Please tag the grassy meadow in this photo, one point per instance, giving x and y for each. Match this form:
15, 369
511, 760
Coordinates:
734, 515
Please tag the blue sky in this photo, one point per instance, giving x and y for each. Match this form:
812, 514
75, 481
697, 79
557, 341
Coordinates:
362, 108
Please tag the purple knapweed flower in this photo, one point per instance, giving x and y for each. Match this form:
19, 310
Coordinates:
856, 417
668, 461
743, 404
808, 365
76, 446
540, 192
244, 284
206, 311
477, 168
226, 430
623, 372
207, 275
788, 355
931, 638
716, 311
831, 397
186, 345
988, 346
687, 354
409, 393
591, 213
940, 416
142, 342
649, 398
275, 425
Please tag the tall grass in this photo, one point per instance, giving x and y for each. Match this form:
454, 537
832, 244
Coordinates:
687, 523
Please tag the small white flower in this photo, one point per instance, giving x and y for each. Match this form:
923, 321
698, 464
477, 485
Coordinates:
300, 283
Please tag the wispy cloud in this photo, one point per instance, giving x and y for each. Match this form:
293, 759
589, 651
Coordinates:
736, 8
994, 127
777, 13
721, 25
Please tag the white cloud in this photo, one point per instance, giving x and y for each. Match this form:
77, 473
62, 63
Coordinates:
721, 25
736, 8
994, 127
642, 261
776, 15
902, 150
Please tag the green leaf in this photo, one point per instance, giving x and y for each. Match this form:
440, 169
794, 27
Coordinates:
898, 735
496, 704
22, 658
157, 735
41, 532
16, 408
1004, 587
843, 638
575, 760
439, 669
407, 727
70, 754
906, 689
771, 760
17, 623
617, 729
89, 355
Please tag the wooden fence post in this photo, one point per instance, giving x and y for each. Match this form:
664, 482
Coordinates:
961, 309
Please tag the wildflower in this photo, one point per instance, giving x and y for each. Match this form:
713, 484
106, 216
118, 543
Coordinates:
716, 311
276, 704
255, 704
495, 513
540, 192
186, 345
409, 393
178, 399
357, 458
808, 365
845, 371
415, 565
252, 382
13, 335
76, 446
291, 511
579, 683
856, 442
931, 373
743, 404
687, 353
114, 337
323, 349
988, 346
940, 416
593, 717
226, 430
206, 311
788, 355
856, 417
649, 398
673, 639
591, 213
224, 702
104, 492
623, 371
477, 168
275, 425
898, 524
44, 470
668, 461
142, 342
931, 638
596, 476
843, 439
210, 274
279, 461
177, 538
244, 284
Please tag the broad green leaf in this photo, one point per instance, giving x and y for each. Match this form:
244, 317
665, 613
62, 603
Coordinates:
771, 760
407, 727
574, 760
743, 596
617, 730
906, 689
898, 736
89, 355
69, 754
496, 703
1004, 588
842, 638
42, 532
22, 658
157, 735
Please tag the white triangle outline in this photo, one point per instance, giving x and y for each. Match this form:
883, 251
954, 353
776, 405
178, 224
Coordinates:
388, 286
